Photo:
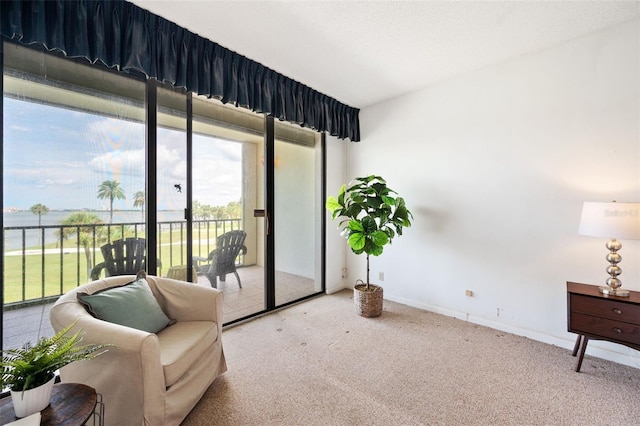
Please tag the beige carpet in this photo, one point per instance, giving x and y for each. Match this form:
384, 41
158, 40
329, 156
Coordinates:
318, 363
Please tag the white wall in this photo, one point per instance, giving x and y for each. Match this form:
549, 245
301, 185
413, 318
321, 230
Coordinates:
495, 166
335, 246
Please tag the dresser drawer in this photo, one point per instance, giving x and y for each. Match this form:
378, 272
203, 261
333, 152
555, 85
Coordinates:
611, 329
605, 308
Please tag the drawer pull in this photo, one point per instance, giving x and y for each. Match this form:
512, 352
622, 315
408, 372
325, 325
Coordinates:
617, 311
617, 330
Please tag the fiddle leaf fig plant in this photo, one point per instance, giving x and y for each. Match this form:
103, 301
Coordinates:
371, 213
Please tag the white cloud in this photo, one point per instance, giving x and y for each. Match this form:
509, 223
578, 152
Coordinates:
119, 163
67, 173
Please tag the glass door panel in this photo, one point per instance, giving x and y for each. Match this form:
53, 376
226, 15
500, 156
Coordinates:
171, 176
73, 151
228, 186
298, 189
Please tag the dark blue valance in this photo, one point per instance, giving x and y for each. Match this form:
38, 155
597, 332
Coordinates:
124, 36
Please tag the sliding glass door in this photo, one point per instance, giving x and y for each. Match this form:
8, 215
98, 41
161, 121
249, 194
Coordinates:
73, 165
228, 188
91, 156
298, 213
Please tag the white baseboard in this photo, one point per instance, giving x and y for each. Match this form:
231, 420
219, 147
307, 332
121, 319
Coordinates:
605, 350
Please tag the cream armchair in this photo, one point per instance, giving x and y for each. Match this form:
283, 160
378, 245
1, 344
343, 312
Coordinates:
146, 378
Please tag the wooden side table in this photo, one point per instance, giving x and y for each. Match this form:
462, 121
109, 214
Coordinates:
71, 404
597, 316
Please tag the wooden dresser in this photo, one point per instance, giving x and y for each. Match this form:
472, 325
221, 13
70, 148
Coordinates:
596, 316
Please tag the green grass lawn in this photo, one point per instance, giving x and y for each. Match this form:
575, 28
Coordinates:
54, 274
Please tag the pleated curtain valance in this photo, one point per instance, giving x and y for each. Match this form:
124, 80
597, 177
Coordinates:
124, 36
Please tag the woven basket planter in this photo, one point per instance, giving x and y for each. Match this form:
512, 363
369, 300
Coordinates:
368, 303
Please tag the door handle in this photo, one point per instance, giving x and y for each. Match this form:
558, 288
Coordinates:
262, 213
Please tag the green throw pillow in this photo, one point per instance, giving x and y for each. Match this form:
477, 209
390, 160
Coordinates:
132, 305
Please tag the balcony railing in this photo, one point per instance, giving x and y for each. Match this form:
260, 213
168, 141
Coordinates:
43, 262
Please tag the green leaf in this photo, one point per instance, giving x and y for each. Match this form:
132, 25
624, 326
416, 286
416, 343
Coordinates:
379, 238
357, 240
390, 201
356, 226
341, 195
376, 250
332, 204
374, 202
352, 211
360, 251
368, 225
379, 188
358, 199
390, 233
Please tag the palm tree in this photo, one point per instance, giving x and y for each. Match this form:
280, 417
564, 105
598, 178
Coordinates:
138, 201
110, 189
39, 209
81, 224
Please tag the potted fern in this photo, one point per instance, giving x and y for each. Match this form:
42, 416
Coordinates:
29, 372
372, 214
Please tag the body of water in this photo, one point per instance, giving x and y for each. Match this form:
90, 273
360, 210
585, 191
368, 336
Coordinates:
13, 238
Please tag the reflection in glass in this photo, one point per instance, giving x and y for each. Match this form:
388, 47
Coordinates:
73, 163
297, 169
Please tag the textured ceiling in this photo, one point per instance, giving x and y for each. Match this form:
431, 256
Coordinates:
363, 52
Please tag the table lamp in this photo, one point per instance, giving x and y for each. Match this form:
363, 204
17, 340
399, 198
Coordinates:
611, 220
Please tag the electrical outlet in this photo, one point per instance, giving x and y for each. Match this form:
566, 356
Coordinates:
344, 273
381, 276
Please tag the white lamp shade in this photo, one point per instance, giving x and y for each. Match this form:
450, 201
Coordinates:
611, 220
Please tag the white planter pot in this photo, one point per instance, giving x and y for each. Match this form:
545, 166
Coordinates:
33, 400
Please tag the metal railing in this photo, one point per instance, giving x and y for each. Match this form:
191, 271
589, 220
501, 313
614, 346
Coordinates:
43, 262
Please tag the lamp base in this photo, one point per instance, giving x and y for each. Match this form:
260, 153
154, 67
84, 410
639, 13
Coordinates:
614, 291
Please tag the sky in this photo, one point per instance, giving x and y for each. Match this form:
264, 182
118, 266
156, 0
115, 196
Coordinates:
59, 157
